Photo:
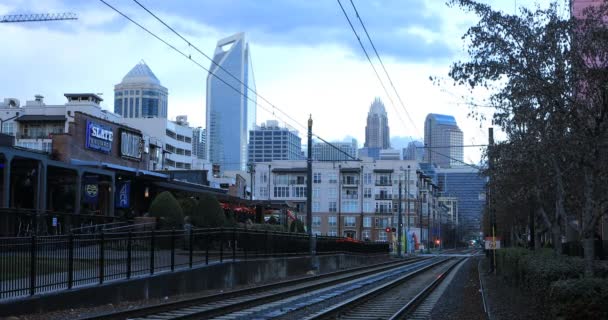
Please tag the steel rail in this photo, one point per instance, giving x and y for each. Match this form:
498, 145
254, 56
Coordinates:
193, 303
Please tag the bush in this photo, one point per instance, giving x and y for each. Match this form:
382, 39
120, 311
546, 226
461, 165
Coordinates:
297, 226
267, 227
166, 210
579, 298
189, 206
209, 213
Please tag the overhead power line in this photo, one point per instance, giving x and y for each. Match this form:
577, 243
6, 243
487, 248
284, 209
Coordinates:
454, 159
206, 69
370, 61
38, 17
383, 67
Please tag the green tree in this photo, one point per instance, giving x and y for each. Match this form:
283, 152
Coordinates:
167, 210
209, 213
189, 206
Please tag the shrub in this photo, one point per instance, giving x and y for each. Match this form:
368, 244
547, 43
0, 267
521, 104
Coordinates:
267, 227
166, 210
579, 298
297, 226
209, 213
189, 206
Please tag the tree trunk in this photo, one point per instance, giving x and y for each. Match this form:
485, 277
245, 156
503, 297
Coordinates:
556, 238
537, 241
589, 250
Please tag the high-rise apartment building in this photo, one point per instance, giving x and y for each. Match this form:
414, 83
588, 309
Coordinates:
140, 94
270, 142
443, 141
198, 143
322, 151
231, 115
376, 131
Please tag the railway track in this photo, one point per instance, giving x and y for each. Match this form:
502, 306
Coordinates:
397, 299
214, 305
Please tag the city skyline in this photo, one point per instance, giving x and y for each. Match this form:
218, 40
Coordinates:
320, 71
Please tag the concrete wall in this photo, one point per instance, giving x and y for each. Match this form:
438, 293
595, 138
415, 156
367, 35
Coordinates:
217, 276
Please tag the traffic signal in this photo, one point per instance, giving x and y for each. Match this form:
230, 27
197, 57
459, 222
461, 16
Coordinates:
387, 229
394, 230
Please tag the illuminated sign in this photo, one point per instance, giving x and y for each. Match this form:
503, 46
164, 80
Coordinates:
131, 145
99, 137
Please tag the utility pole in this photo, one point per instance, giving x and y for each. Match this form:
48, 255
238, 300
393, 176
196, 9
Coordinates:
407, 214
251, 172
491, 196
400, 221
311, 240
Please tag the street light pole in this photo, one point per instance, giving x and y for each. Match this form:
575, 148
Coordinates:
400, 222
311, 240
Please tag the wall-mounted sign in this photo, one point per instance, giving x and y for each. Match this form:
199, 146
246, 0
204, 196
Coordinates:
123, 192
91, 189
99, 137
131, 144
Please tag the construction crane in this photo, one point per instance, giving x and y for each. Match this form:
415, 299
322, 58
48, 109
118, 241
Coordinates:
38, 17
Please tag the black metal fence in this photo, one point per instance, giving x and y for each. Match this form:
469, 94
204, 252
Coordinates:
38, 264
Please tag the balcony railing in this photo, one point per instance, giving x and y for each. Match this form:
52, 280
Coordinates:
382, 196
350, 182
384, 211
383, 183
350, 196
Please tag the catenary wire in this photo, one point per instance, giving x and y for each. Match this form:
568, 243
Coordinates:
213, 74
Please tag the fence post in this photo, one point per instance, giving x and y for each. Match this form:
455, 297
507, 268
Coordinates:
70, 260
173, 249
221, 245
33, 266
266, 243
101, 257
191, 236
129, 257
152, 252
233, 244
206, 249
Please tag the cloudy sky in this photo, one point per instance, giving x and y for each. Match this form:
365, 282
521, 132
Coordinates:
305, 57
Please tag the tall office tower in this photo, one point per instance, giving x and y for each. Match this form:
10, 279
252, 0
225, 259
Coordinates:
376, 130
321, 151
270, 142
414, 151
442, 141
230, 114
198, 143
140, 94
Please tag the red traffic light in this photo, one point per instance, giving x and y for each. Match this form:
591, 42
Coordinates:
388, 229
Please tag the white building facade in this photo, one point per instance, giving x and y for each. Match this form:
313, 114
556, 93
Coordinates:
34, 123
357, 199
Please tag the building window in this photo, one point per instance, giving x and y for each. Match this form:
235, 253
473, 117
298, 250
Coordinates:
349, 206
332, 221
8, 128
264, 177
349, 221
316, 177
264, 192
316, 206
367, 178
332, 193
333, 206
367, 222
333, 178
365, 234
316, 193
382, 236
299, 192
281, 192
332, 233
367, 193
316, 221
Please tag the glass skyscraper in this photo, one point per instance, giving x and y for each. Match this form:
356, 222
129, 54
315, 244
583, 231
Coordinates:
376, 131
231, 108
270, 142
140, 94
442, 141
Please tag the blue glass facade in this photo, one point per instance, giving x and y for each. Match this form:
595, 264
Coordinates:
140, 95
230, 114
469, 188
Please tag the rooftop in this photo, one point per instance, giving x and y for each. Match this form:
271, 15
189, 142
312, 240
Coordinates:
141, 74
